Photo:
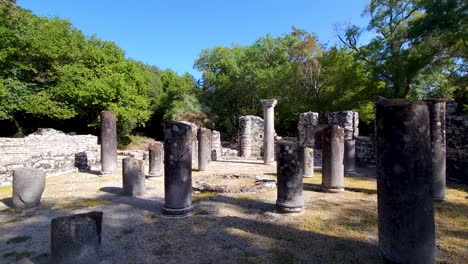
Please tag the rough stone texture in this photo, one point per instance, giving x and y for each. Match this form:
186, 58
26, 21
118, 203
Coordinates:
133, 176
216, 148
53, 151
457, 144
438, 146
269, 130
404, 182
365, 151
289, 172
76, 238
28, 186
108, 142
177, 168
250, 138
229, 152
348, 120
156, 159
306, 138
204, 149
194, 140
332, 159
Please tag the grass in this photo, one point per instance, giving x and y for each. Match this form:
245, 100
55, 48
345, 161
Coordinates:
202, 196
83, 203
18, 239
18, 255
134, 142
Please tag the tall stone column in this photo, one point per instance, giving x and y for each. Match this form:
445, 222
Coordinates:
404, 182
332, 159
348, 120
289, 170
108, 143
156, 152
269, 130
76, 238
438, 146
306, 132
245, 128
204, 149
177, 169
216, 150
133, 176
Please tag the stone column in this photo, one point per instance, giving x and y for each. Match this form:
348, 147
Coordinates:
156, 152
133, 176
204, 149
28, 186
177, 169
245, 128
216, 148
289, 170
348, 120
108, 143
332, 159
438, 146
76, 238
306, 133
269, 130
404, 182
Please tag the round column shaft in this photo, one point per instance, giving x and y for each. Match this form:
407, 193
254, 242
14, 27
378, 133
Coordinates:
156, 152
204, 149
108, 143
269, 130
332, 159
133, 176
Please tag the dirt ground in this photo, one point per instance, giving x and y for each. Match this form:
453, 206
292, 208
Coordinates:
224, 228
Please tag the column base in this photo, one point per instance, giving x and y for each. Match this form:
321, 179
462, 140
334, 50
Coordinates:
154, 176
332, 189
287, 210
439, 199
308, 176
177, 213
107, 172
353, 172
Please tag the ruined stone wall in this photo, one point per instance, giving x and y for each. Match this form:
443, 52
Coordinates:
457, 144
365, 151
250, 138
54, 151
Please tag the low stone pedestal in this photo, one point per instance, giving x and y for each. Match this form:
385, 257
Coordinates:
332, 159
28, 186
289, 172
133, 176
76, 239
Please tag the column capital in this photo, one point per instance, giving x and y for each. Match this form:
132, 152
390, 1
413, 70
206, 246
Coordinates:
268, 103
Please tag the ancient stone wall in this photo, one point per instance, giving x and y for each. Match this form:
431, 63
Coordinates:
250, 139
457, 144
51, 150
365, 151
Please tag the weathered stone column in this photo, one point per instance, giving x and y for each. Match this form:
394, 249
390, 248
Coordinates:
306, 132
245, 137
204, 149
156, 152
108, 143
349, 121
404, 182
438, 146
332, 159
216, 148
289, 172
133, 176
28, 186
177, 169
76, 238
269, 130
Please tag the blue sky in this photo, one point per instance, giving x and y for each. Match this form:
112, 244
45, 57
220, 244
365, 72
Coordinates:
172, 33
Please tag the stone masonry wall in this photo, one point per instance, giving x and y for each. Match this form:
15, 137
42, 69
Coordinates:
365, 151
51, 150
457, 144
251, 135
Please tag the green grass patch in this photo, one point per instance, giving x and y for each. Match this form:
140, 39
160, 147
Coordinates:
134, 142
284, 257
18, 239
84, 203
203, 196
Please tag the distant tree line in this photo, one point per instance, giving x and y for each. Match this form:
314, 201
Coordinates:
52, 75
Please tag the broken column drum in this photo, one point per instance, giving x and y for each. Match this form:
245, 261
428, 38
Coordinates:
438, 146
289, 170
108, 143
349, 121
250, 137
76, 238
177, 169
306, 134
332, 159
133, 176
216, 148
404, 182
204, 149
245, 137
269, 130
156, 152
28, 186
